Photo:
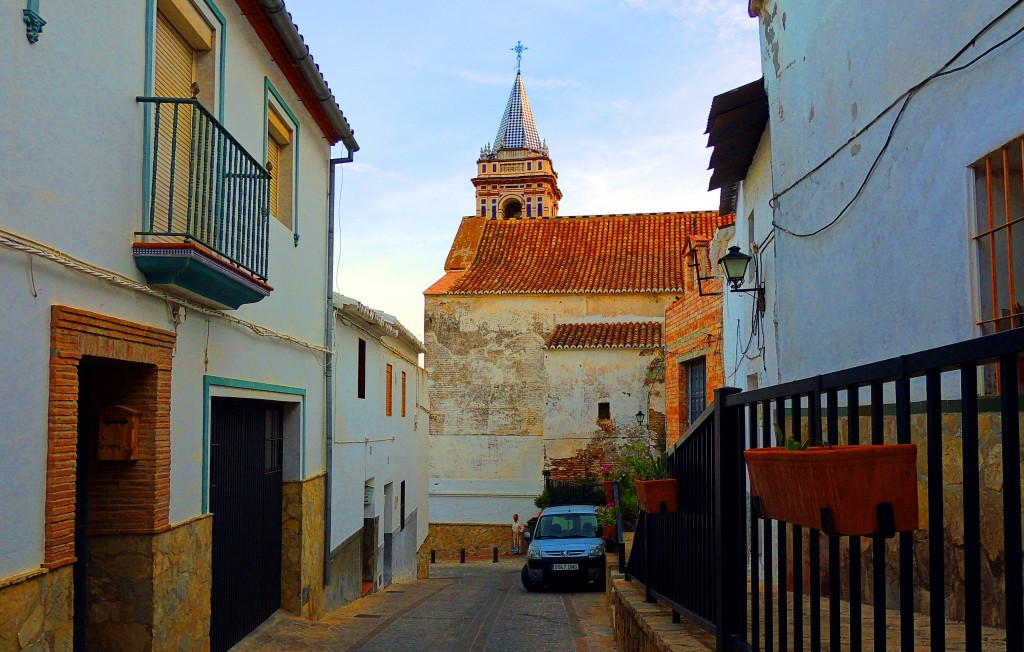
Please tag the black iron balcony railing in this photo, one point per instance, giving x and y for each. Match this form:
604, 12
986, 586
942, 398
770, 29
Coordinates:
205, 187
957, 583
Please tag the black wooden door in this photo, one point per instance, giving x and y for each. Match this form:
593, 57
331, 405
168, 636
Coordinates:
696, 382
245, 498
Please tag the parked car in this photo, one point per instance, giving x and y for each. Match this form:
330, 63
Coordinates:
565, 546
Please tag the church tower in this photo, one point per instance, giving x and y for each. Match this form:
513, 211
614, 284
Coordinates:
515, 177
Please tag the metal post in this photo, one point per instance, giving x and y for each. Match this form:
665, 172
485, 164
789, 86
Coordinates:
495, 560
619, 538
462, 555
729, 519
647, 561
433, 556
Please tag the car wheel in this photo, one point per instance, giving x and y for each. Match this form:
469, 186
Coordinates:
528, 584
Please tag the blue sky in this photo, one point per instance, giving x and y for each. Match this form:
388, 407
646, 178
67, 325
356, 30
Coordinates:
620, 90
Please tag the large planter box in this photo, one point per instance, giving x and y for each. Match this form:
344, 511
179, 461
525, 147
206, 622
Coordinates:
652, 493
840, 490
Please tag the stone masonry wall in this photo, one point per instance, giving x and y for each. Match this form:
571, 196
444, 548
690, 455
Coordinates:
302, 549
151, 591
478, 540
36, 611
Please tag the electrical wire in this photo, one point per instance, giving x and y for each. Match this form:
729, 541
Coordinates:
40, 250
905, 98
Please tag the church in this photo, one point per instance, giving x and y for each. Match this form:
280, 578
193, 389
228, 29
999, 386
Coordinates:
544, 337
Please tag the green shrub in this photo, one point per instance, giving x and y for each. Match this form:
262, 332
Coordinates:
543, 501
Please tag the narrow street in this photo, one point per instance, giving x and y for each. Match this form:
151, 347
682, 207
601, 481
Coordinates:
476, 606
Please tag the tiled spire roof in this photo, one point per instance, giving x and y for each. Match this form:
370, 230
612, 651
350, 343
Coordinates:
518, 130
575, 255
628, 335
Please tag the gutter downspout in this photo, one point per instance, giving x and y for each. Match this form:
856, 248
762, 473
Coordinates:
282, 22
329, 367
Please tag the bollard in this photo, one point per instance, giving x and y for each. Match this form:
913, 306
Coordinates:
433, 556
495, 560
462, 556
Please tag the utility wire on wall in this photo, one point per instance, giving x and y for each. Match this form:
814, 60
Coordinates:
902, 100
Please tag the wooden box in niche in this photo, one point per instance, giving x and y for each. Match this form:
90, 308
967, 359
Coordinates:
118, 433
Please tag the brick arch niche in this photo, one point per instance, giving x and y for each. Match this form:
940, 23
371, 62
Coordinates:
103, 361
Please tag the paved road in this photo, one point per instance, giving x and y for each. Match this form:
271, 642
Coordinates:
478, 606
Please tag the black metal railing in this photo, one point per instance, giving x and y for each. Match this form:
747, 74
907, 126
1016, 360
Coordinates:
575, 492
955, 583
205, 187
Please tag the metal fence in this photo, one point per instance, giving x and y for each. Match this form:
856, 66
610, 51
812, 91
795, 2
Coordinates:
759, 584
205, 187
575, 492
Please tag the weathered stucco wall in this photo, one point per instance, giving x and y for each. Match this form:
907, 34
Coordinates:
490, 389
827, 79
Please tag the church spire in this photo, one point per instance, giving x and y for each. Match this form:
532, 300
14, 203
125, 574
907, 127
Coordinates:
518, 130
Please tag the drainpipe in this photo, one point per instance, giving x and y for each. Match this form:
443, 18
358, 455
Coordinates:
329, 366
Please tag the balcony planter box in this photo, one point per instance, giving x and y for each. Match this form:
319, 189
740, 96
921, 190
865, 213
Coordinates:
609, 532
651, 493
840, 490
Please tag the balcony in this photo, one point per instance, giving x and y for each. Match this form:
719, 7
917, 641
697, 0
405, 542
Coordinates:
207, 229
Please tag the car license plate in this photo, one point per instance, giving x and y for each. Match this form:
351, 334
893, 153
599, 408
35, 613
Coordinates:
555, 567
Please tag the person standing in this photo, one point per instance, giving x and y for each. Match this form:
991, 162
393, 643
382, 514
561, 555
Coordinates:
518, 527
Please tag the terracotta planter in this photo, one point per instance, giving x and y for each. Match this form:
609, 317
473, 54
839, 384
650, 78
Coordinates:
609, 532
609, 491
651, 493
841, 490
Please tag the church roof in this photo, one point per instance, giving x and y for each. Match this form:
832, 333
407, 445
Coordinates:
518, 130
608, 254
626, 335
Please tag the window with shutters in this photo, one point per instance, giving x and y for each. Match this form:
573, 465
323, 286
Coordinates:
388, 377
280, 164
403, 393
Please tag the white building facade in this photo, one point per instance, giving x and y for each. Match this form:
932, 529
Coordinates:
165, 255
876, 195
379, 516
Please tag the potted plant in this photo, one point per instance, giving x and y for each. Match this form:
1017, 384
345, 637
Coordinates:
609, 474
606, 518
655, 491
841, 490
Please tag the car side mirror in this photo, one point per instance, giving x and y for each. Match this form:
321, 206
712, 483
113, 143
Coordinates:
526, 535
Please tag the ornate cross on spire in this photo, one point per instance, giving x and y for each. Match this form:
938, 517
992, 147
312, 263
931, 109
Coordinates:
519, 49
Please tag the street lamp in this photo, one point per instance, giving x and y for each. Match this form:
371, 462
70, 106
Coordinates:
639, 418
734, 264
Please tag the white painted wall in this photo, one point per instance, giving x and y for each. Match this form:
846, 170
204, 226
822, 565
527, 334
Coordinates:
370, 445
69, 108
897, 273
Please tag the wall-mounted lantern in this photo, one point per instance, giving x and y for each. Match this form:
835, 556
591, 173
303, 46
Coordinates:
639, 418
734, 265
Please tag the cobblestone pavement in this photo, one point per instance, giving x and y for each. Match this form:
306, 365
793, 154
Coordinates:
479, 606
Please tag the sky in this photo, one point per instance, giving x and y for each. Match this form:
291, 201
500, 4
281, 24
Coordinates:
620, 90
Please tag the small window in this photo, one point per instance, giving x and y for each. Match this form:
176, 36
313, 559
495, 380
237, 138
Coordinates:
529, 209
280, 165
361, 371
696, 383
494, 167
529, 165
1000, 237
402, 513
540, 207
387, 391
540, 165
604, 411
403, 402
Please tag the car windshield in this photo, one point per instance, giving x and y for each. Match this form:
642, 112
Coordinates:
568, 526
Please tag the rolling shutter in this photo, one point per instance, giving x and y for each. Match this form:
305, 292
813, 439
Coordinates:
175, 72
274, 158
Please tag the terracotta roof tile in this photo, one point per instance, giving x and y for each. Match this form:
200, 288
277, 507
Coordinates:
626, 335
568, 255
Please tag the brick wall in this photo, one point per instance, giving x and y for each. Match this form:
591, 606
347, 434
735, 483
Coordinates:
693, 328
131, 497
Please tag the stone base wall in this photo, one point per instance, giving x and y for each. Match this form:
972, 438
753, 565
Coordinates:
643, 627
36, 610
151, 591
146, 592
479, 540
423, 560
302, 547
